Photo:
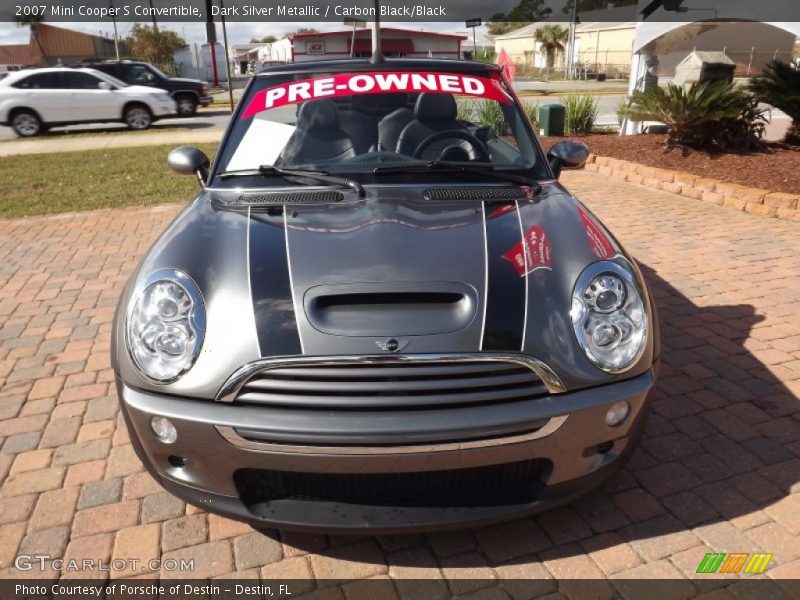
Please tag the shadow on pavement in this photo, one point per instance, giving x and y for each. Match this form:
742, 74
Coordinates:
719, 448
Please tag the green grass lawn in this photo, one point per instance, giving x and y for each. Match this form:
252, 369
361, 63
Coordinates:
38, 184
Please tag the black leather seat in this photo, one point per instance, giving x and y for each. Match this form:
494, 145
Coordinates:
318, 137
397, 116
360, 121
432, 113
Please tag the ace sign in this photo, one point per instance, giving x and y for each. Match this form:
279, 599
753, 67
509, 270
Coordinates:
316, 47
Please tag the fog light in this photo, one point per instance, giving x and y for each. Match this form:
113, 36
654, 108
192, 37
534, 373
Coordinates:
165, 430
617, 413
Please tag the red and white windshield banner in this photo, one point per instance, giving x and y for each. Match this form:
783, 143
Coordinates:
355, 84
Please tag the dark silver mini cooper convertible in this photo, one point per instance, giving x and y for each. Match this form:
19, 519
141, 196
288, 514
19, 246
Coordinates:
383, 312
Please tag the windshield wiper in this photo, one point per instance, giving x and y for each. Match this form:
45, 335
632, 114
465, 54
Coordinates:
449, 167
323, 176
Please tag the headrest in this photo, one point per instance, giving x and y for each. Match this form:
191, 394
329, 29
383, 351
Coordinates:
318, 114
435, 107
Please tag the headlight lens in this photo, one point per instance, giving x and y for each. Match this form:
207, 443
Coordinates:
166, 325
609, 316
164, 97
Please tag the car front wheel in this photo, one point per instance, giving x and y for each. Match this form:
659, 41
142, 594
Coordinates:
186, 106
138, 117
26, 123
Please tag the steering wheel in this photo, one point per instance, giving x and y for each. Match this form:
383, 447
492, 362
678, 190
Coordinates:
479, 149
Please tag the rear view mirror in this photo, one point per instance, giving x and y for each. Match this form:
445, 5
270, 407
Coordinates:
104, 85
567, 155
189, 161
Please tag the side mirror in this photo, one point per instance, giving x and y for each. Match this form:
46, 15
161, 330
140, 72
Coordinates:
567, 155
104, 85
189, 161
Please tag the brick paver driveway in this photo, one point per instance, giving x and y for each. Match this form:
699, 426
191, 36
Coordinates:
718, 469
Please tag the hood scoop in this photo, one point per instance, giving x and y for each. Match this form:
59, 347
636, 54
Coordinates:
478, 192
390, 309
299, 197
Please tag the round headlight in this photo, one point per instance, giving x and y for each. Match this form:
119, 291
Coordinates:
165, 325
609, 316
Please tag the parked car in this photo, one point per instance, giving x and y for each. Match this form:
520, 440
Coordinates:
383, 312
188, 93
32, 101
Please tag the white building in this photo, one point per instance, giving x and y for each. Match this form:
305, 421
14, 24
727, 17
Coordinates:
194, 62
328, 45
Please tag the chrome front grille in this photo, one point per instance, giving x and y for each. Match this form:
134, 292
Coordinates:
374, 384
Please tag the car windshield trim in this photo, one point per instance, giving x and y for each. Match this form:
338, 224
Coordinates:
478, 170
312, 174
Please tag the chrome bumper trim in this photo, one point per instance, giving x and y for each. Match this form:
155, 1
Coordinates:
232, 436
236, 381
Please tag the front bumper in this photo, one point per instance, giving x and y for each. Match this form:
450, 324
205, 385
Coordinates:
212, 454
206, 100
163, 108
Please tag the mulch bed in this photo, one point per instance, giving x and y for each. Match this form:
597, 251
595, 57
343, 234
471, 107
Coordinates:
777, 170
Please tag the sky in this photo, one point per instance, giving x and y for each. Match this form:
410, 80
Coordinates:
238, 33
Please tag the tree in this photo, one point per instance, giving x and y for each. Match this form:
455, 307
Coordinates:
524, 13
530, 11
32, 22
154, 46
497, 25
267, 39
587, 5
306, 30
552, 38
779, 86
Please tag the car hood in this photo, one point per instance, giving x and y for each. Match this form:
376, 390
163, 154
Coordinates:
343, 279
185, 80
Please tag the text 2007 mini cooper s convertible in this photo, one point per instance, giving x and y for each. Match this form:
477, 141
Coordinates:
383, 312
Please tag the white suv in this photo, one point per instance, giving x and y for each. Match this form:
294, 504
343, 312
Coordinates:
31, 101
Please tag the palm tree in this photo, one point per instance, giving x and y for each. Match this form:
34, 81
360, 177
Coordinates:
552, 39
33, 22
779, 86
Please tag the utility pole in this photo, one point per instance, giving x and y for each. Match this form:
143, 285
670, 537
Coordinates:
116, 36
227, 54
571, 43
153, 15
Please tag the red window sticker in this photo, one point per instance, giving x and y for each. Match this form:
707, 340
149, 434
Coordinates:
598, 241
354, 84
537, 252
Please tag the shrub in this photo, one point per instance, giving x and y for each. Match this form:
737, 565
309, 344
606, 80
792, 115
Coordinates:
622, 107
489, 112
466, 111
580, 113
532, 111
704, 115
779, 86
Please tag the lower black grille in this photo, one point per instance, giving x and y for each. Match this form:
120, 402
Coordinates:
494, 485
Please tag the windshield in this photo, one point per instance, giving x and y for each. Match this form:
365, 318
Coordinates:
354, 123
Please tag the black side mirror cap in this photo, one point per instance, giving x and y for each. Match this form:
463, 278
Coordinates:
567, 154
187, 160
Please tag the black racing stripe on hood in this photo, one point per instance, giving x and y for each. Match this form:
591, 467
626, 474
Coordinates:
505, 294
270, 287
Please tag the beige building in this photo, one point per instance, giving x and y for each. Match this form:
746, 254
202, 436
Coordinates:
605, 47
522, 47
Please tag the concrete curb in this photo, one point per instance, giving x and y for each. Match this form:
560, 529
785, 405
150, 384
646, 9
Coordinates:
755, 201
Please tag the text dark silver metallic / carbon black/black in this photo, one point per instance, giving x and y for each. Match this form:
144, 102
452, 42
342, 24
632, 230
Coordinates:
383, 312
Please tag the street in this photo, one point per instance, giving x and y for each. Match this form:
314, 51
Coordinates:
212, 121
212, 118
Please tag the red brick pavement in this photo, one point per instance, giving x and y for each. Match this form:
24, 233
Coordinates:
717, 470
